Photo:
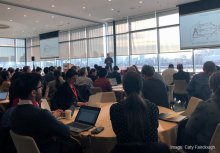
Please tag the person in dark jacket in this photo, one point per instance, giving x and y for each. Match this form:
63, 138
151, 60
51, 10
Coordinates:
50, 135
154, 89
203, 121
67, 94
115, 74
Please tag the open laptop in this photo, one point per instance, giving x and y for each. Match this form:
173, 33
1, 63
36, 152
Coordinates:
113, 81
85, 119
3, 95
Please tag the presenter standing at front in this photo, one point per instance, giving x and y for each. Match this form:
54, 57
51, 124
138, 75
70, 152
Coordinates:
109, 61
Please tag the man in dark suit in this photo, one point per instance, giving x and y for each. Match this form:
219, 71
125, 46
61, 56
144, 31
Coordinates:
50, 135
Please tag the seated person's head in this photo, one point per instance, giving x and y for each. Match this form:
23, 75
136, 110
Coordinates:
148, 71
131, 69
209, 67
29, 85
83, 72
115, 68
214, 83
179, 67
102, 73
57, 73
93, 72
38, 70
171, 66
132, 83
26, 69
71, 75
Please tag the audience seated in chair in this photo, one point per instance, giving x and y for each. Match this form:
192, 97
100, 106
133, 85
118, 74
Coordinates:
93, 74
115, 74
102, 81
203, 121
153, 89
198, 86
67, 94
83, 79
168, 74
53, 86
49, 134
134, 119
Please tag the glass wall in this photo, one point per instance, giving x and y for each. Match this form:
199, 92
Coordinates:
148, 39
12, 52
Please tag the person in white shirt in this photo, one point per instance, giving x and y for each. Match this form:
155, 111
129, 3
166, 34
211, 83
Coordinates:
168, 74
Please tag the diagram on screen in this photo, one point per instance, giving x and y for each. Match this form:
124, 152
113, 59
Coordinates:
205, 30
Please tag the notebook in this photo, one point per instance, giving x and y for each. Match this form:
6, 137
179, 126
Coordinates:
3, 95
172, 117
113, 81
85, 119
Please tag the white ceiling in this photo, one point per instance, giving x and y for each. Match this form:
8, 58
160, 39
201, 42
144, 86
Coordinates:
28, 23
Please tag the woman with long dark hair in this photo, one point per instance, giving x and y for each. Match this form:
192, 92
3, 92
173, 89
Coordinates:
134, 119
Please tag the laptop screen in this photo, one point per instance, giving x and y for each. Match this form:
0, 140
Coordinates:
87, 115
113, 81
3, 95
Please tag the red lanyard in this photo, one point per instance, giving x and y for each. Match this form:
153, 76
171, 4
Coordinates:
75, 92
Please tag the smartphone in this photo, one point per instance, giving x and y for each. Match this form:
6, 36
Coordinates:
97, 130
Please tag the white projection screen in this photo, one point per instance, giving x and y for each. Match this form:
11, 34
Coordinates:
200, 29
49, 46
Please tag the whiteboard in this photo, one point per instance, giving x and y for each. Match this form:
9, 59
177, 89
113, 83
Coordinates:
49, 48
200, 30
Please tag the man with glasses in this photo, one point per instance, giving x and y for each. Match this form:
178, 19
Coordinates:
49, 134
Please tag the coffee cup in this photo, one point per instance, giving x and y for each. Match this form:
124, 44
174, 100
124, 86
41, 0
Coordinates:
68, 114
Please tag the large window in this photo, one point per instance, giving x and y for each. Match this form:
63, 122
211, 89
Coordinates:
148, 39
12, 52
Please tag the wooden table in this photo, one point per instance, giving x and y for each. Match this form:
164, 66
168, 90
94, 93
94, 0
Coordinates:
105, 141
6, 101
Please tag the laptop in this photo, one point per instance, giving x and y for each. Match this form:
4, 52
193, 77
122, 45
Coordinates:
3, 95
85, 119
113, 81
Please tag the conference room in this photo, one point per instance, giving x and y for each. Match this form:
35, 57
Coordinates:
63, 41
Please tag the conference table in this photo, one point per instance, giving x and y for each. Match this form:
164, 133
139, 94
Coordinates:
6, 101
106, 140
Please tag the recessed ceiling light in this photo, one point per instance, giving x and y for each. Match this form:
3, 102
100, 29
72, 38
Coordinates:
52, 6
84, 7
112, 9
109, 0
8, 8
10, 20
140, 2
25, 16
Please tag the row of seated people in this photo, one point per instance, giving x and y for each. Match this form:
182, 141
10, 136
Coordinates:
134, 120
197, 86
